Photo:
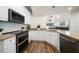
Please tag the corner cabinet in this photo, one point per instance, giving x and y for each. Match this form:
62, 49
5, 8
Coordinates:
68, 44
8, 45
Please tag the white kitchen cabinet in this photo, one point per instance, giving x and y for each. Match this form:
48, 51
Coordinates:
1, 47
36, 36
50, 37
8, 45
3, 13
41, 35
30, 35
20, 9
33, 35
53, 38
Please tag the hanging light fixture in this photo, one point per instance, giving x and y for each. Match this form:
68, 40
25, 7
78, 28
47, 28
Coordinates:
53, 11
50, 15
50, 23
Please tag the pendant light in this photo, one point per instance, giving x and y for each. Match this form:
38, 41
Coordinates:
50, 24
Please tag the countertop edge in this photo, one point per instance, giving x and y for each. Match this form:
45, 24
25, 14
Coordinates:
6, 36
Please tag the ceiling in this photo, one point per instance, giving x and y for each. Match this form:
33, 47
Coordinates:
49, 10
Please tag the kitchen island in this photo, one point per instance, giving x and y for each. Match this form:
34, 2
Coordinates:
69, 43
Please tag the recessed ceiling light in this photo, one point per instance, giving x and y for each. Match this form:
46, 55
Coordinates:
70, 8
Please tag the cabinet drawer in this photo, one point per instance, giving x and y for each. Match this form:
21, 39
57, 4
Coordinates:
10, 45
10, 41
10, 49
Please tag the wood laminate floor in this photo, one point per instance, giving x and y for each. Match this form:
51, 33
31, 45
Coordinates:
40, 47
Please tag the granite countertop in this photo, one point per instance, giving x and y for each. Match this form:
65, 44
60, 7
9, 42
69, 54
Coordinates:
75, 36
43, 30
65, 32
6, 36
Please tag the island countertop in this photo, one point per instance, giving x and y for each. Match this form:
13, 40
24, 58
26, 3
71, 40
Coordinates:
68, 33
6, 36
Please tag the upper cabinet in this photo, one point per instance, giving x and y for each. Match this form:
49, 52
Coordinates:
15, 17
19, 9
3, 13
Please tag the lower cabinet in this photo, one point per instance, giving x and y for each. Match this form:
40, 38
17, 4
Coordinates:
48, 36
68, 44
8, 45
53, 38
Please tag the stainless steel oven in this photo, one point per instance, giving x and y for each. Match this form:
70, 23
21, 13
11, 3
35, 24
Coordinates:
21, 41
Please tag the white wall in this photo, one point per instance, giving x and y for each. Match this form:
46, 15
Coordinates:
64, 17
8, 27
21, 9
43, 20
74, 23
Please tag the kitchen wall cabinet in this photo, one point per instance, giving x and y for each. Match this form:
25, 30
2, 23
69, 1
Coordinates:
8, 45
68, 44
20, 9
50, 37
3, 13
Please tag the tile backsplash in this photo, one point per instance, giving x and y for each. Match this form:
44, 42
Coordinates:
8, 27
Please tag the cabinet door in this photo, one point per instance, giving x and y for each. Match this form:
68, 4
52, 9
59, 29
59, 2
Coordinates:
1, 47
10, 45
41, 36
54, 39
30, 35
46, 36
36, 35
67, 46
33, 35
3, 13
